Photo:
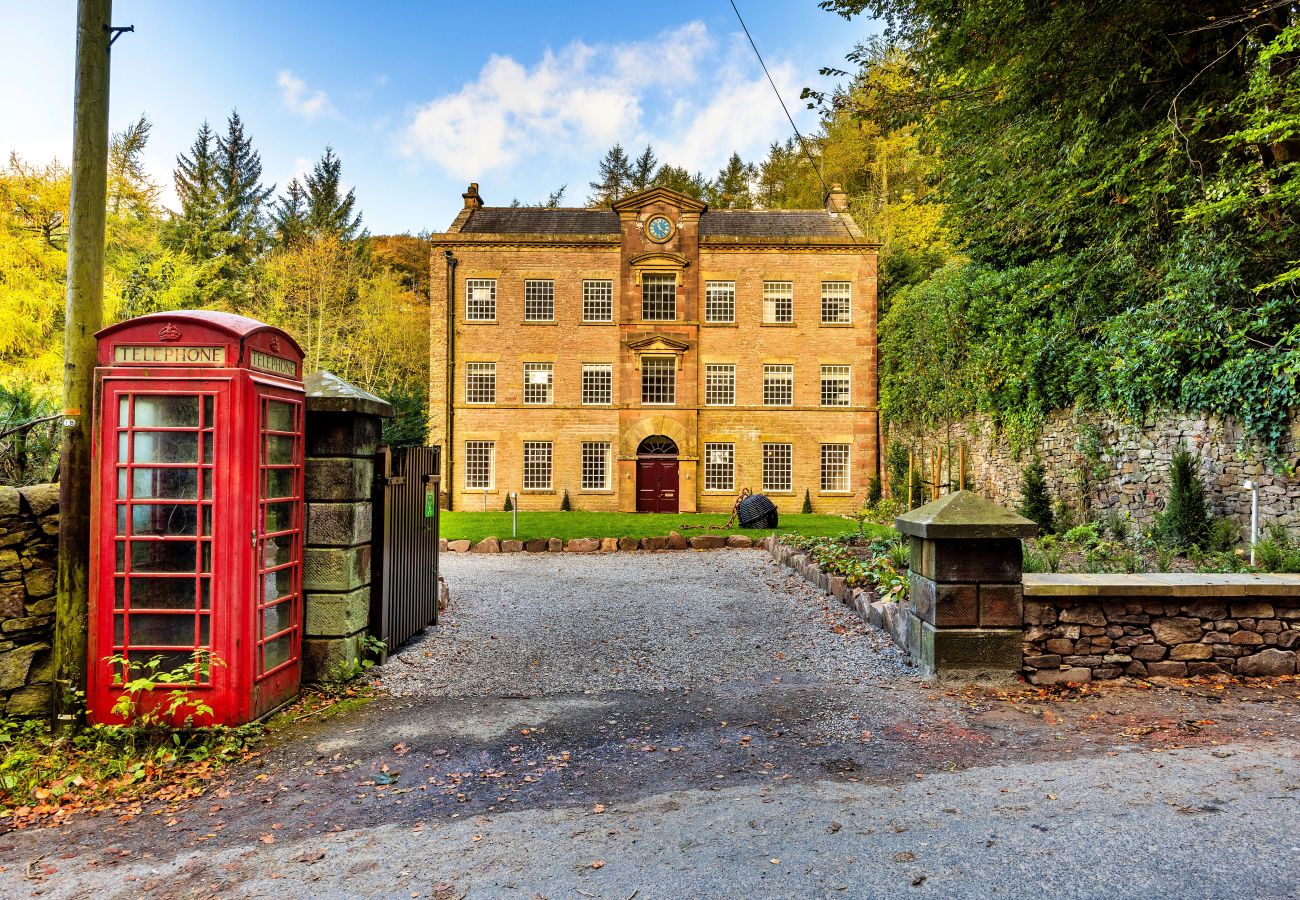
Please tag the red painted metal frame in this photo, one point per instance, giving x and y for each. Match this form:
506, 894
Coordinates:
236, 690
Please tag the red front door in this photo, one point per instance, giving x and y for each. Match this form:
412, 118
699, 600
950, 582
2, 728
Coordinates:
656, 485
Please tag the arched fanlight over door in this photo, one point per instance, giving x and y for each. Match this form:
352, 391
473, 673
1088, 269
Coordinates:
657, 445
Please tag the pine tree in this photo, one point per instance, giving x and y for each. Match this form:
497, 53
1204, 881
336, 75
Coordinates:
329, 210
1185, 522
643, 170
732, 189
130, 193
201, 229
240, 190
807, 502
615, 174
675, 178
1035, 502
289, 215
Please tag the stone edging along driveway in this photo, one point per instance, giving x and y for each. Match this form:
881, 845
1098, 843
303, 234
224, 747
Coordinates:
674, 541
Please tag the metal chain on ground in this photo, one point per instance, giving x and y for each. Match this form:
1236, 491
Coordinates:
735, 510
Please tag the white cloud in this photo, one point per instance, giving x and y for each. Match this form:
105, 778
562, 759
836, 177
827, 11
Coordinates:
301, 100
677, 91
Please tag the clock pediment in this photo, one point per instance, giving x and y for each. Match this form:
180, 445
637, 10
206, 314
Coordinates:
681, 201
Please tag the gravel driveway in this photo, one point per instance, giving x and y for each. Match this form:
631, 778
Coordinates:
677, 725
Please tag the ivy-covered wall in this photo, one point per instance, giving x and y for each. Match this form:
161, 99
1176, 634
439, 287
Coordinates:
1101, 465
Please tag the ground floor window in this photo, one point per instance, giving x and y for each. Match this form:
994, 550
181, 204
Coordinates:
537, 465
835, 467
480, 465
595, 466
719, 467
777, 467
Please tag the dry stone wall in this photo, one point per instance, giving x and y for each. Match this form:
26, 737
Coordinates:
1116, 467
29, 544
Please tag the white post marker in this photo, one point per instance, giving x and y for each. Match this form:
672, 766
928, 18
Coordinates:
1254, 516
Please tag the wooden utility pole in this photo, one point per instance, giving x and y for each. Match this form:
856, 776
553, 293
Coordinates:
85, 307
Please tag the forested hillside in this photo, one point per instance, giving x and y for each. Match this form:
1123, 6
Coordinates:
299, 260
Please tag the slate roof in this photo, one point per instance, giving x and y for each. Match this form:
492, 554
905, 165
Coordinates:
812, 223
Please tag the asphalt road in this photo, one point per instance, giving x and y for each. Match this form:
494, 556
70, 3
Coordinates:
701, 725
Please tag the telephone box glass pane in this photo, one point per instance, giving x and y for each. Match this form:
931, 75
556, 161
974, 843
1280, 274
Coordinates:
164, 519
165, 447
279, 449
161, 630
166, 412
277, 618
165, 484
279, 516
169, 661
277, 550
279, 415
275, 585
205, 593
279, 483
162, 593
162, 556
277, 651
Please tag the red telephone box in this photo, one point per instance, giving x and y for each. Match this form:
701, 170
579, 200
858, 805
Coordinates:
198, 512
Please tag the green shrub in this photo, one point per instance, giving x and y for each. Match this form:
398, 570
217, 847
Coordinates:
1035, 503
1111, 556
1117, 525
509, 503
1270, 555
1164, 558
565, 505
1223, 536
1049, 552
896, 464
874, 491
1085, 535
1291, 562
918, 490
807, 502
1185, 521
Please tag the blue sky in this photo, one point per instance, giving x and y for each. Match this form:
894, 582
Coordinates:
419, 98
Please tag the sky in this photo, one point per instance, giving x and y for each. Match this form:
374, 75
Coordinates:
420, 98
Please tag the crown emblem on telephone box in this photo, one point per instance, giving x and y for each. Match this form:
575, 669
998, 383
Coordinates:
169, 332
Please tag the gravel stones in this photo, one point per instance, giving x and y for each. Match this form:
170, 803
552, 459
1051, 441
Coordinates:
536, 626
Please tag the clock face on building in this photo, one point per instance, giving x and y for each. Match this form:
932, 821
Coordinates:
659, 229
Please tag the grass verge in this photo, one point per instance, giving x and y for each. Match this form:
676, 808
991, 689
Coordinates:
474, 526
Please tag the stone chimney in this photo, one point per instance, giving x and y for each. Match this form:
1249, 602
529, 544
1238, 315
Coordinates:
836, 201
472, 199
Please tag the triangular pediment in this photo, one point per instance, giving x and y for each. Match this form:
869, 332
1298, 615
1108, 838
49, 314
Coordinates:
682, 201
658, 343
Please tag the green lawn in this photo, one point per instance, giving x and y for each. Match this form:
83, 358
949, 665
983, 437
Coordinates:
475, 526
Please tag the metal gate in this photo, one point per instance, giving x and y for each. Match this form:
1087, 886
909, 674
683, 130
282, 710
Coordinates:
404, 564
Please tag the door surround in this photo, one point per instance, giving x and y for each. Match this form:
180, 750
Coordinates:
657, 475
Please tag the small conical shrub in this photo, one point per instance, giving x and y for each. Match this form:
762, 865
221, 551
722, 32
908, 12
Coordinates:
1185, 522
807, 502
509, 503
917, 493
874, 492
1035, 502
565, 505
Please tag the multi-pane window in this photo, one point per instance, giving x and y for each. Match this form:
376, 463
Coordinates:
778, 385
777, 459
658, 297
835, 467
480, 465
539, 301
719, 385
659, 380
480, 299
719, 301
481, 382
597, 384
778, 302
537, 465
719, 467
837, 302
595, 466
598, 301
835, 385
539, 379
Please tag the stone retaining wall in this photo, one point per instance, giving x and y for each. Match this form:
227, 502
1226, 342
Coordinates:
1123, 467
29, 545
673, 541
1081, 628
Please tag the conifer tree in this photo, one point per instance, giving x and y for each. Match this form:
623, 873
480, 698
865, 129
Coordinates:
240, 190
732, 189
130, 193
329, 210
1185, 522
1035, 502
615, 178
201, 229
643, 170
289, 215
678, 179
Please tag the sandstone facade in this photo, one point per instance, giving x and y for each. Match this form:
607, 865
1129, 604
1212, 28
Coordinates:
499, 251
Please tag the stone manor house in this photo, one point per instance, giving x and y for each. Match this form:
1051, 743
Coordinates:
657, 356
